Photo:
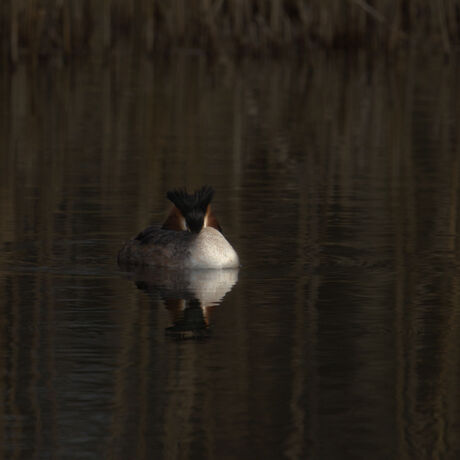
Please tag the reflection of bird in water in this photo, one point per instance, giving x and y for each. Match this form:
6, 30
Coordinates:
189, 296
190, 237
190, 320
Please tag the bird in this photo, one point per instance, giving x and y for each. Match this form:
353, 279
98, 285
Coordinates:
190, 237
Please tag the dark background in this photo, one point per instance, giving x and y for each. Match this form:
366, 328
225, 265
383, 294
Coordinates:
336, 175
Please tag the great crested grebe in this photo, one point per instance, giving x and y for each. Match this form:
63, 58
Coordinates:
190, 237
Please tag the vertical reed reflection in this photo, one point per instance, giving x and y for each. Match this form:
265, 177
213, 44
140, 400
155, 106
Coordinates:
338, 184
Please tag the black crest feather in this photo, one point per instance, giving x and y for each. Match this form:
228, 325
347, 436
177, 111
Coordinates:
187, 202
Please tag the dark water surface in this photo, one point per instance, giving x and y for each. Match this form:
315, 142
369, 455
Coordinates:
338, 184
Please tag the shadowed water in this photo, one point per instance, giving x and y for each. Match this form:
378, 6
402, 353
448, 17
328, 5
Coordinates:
337, 183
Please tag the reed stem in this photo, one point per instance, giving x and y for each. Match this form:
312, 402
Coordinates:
225, 27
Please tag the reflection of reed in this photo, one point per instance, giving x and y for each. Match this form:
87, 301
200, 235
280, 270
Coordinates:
389, 128
15, 376
412, 253
330, 155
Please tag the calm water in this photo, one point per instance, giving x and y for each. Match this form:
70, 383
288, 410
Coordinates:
337, 183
